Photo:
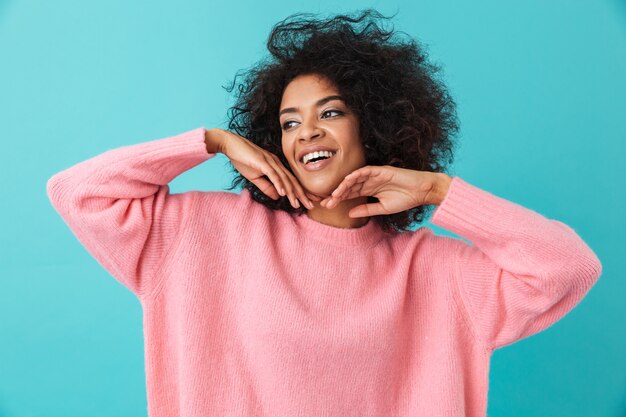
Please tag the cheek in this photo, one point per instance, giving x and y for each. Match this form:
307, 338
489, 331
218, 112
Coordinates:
353, 162
359, 152
288, 155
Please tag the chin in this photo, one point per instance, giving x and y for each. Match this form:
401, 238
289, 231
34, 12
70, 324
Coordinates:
322, 188
320, 191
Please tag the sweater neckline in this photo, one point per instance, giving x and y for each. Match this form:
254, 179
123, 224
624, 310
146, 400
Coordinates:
367, 235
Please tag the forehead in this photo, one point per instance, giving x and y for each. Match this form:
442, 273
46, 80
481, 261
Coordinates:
306, 89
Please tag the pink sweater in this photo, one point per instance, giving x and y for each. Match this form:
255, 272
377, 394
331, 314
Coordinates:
254, 312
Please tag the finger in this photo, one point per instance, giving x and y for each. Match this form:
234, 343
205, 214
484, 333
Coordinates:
347, 182
352, 192
295, 183
330, 201
367, 210
350, 188
313, 197
302, 195
266, 188
295, 192
270, 172
284, 180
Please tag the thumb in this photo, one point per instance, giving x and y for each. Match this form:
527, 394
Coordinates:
366, 210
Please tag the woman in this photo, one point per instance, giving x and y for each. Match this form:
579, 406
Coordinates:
306, 294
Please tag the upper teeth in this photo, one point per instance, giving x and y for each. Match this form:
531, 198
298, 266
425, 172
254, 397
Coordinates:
306, 158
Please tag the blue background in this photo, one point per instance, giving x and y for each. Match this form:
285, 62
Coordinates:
541, 93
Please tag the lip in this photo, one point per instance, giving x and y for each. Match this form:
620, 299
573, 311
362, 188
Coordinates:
310, 149
316, 166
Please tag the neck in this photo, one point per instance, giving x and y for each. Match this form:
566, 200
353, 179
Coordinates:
338, 215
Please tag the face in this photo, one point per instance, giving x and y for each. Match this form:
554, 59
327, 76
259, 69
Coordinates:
310, 119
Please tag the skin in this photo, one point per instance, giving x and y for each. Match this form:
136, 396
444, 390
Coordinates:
341, 188
331, 124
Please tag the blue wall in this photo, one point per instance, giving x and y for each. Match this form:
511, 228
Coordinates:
541, 93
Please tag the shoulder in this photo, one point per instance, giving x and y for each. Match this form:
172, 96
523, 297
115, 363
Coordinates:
217, 201
424, 243
226, 206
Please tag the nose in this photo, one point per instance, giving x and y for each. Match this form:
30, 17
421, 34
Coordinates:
309, 130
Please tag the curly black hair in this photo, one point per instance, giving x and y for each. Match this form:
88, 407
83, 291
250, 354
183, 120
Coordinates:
406, 117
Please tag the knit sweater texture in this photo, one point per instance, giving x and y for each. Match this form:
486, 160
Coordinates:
249, 311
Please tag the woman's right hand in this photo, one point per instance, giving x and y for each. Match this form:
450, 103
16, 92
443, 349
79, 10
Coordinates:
253, 162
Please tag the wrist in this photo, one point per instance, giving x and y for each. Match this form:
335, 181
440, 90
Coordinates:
214, 140
441, 186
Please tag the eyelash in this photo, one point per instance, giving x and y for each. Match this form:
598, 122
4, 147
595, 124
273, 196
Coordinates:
339, 112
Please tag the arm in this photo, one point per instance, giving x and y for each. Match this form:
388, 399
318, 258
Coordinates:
442, 183
119, 206
214, 140
523, 271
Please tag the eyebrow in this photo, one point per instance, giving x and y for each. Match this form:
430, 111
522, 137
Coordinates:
319, 102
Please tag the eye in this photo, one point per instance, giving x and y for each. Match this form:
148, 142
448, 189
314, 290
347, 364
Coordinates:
286, 126
332, 111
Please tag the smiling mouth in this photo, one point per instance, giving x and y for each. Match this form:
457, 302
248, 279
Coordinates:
318, 163
316, 159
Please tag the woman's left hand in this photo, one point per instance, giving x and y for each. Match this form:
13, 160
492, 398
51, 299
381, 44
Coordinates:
397, 189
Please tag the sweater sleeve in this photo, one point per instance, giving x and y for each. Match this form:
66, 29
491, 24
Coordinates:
522, 272
119, 206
